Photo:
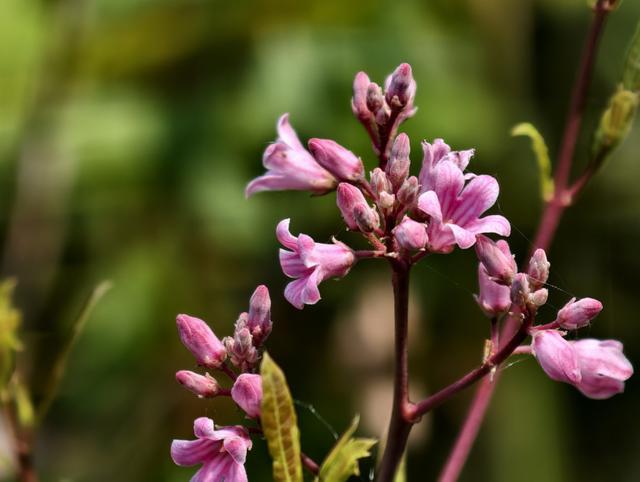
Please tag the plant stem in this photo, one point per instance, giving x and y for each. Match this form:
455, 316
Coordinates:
309, 464
400, 423
22, 446
546, 231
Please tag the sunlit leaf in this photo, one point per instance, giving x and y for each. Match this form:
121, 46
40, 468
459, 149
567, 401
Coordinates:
542, 156
342, 461
279, 423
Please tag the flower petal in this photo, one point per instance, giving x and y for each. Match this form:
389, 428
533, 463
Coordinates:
479, 195
191, 452
464, 239
287, 134
291, 264
429, 204
449, 181
203, 427
236, 447
284, 235
490, 224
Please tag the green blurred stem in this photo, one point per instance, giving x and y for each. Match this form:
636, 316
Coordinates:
400, 423
547, 228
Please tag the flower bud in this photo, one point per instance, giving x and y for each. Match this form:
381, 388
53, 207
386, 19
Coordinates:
348, 198
398, 166
386, 200
200, 341
539, 297
366, 218
556, 356
340, 162
359, 99
493, 298
247, 393
375, 99
603, 367
408, 192
259, 319
520, 290
499, 264
538, 269
241, 349
577, 314
204, 386
379, 181
401, 88
410, 234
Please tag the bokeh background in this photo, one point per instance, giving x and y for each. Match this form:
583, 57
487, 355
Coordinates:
128, 130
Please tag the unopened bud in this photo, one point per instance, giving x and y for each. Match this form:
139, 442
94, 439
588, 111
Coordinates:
204, 386
577, 314
349, 197
408, 192
538, 269
366, 218
241, 349
259, 319
410, 234
539, 297
520, 290
375, 98
196, 335
379, 181
398, 166
359, 99
386, 200
339, 161
247, 393
401, 88
500, 265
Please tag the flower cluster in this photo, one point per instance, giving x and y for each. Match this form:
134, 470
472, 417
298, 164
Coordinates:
222, 452
397, 213
597, 368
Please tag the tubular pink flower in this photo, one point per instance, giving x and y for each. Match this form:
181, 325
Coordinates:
493, 298
578, 314
603, 367
434, 154
310, 263
557, 357
359, 100
247, 393
201, 341
455, 209
338, 160
290, 166
410, 234
222, 452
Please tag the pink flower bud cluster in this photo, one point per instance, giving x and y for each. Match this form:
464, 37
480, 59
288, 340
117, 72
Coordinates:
597, 368
222, 452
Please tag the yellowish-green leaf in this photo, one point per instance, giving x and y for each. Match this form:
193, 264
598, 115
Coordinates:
10, 319
279, 423
542, 156
24, 405
342, 461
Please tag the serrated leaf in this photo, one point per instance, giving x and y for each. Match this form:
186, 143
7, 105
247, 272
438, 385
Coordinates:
542, 156
342, 461
279, 423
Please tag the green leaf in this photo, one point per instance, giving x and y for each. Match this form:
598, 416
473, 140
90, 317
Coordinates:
342, 461
542, 156
60, 363
279, 423
10, 319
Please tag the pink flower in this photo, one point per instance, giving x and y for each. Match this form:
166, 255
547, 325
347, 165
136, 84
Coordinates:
434, 154
201, 341
493, 298
556, 356
410, 234
247, 393
241, 347
497, 259
455, 209
310, 263
222, 452
603, 367
338, 160
400, 87
290, 166
578, 314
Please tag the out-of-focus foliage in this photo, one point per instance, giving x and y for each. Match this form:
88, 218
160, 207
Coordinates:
128, 130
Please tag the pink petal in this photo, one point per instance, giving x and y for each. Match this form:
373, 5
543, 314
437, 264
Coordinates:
448, 184
284, 235
236, 447
490, 224
478, 196
291, 264
464, 239
203, 427
191, 452
429, 204
287, 134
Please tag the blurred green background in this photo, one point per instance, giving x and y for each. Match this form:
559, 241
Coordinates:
128, 130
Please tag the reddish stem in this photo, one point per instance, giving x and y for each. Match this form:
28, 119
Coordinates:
546, 229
